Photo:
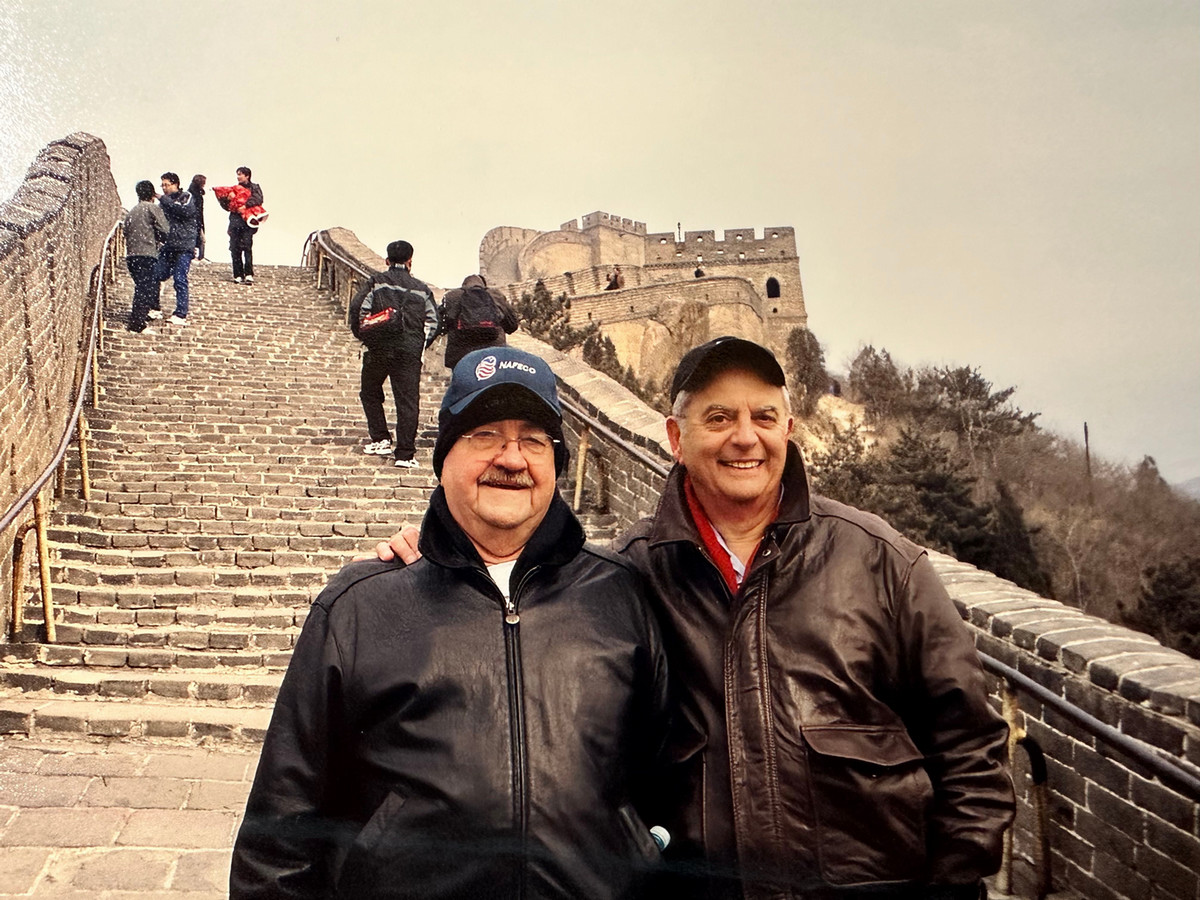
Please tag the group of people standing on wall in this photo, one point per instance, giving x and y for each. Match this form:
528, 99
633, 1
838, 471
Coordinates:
396, 318
165, 232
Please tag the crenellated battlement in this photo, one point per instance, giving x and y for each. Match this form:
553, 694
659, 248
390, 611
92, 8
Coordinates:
735, 244
599, 218
579, 259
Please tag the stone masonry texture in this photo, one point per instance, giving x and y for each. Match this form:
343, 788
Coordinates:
52, 231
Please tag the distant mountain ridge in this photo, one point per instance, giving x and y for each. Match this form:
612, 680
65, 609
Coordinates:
1190, 488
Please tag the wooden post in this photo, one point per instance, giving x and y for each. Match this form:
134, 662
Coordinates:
60, 479
1011, 710
85, 486
581, 465
39, 515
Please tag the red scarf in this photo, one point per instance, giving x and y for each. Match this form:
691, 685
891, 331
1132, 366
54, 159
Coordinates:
708, 535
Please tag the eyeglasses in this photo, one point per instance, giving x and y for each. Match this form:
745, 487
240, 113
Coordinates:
532, 446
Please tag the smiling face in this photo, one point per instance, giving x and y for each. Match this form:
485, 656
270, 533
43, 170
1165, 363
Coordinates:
732, 438
499, 497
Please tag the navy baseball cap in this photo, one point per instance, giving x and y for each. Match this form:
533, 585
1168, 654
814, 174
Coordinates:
700, 364
499, 383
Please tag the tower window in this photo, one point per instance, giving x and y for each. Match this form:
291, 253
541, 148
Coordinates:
772, 288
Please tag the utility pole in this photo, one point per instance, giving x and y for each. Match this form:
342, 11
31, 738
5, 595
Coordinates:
1087, 458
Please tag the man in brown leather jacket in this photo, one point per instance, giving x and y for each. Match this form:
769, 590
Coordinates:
833, 736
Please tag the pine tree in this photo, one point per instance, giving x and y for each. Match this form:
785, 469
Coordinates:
805, 363
549, 319
877, 383
926, 494
959, 400
1009, 550
1170, 605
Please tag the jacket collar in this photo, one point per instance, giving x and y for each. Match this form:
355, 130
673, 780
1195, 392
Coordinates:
557, 540
673, 520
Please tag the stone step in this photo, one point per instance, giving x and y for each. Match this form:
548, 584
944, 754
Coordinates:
386, 483
93, 536
351, 521
132, 597
54, 717
183, 559
230, 618
132, 659
173, 636
207, 686
186, 576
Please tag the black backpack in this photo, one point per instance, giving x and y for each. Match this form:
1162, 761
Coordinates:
384, 326
477, 309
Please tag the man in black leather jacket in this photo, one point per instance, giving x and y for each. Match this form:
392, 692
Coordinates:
480, 723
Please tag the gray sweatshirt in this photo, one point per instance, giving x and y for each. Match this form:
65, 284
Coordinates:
145, 229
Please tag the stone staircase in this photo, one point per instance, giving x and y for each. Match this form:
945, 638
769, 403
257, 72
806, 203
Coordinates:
227, 485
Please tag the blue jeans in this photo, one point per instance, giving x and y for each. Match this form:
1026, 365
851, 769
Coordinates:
144, 270
176, 263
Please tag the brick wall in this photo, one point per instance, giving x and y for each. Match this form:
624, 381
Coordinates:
52, 232
1116, 831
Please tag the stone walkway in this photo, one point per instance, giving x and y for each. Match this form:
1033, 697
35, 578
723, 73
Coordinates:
103, 818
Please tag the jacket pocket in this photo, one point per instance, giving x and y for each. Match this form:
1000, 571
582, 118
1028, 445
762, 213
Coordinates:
870, 798
639, 834
375, 849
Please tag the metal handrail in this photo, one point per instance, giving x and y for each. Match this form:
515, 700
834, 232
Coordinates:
654, 465
99, 293
318, 238
1168, 769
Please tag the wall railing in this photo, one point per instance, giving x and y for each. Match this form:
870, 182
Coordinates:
88, 375
335, 270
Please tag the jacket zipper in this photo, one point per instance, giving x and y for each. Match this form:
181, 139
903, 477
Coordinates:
763, 685
516, 708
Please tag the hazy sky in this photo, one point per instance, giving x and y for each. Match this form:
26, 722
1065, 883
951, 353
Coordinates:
1012, 185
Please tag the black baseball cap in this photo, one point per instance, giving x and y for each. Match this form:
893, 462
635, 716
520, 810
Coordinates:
700, 364
499, 383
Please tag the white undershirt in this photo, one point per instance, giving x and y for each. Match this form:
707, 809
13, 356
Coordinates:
739, 567
502, 574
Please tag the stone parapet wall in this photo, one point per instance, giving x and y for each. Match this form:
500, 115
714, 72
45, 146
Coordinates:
52, 233
616, 480
653, 324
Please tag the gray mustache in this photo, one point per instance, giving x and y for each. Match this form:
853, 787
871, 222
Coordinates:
501, 478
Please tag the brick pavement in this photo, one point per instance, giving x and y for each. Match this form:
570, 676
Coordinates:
111, 818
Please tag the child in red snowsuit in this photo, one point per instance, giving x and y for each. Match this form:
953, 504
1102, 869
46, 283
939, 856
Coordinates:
234, 199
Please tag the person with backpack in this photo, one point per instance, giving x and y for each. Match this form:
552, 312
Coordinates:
394, 315
473, 317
